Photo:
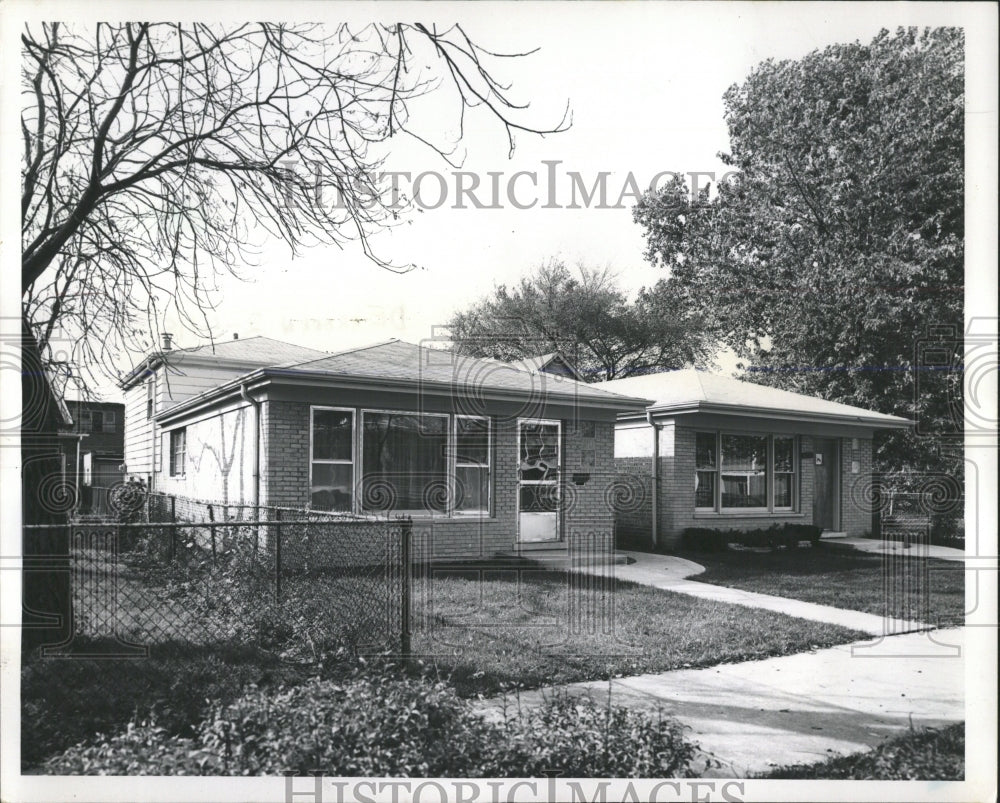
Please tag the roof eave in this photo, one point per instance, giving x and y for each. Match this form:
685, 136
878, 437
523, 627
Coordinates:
687, 408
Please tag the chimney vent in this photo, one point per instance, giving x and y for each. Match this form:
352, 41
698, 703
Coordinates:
236, 336
167, 339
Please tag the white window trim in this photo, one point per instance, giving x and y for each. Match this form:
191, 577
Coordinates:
171, 434
453, 466
794, 474
770, 507
339, 462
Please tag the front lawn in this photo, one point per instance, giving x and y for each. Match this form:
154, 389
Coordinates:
923, 755
900, 586
485, 631
498, 629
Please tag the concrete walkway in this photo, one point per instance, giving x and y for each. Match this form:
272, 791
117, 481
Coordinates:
804, 708
671, 573
883, 547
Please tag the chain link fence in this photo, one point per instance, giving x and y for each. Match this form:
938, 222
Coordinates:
294, 582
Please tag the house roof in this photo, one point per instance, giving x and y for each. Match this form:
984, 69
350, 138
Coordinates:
542, 361
406, 366
692, 390
251, 352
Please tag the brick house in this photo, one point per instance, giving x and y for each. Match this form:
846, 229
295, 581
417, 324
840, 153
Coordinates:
720, 453
487, 457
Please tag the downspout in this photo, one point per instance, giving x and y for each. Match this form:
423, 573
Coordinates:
256, 443
655, 496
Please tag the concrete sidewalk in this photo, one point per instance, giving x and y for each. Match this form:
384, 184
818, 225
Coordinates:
804, 708
670, 573
883, 547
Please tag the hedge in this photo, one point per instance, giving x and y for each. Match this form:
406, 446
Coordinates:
789, 535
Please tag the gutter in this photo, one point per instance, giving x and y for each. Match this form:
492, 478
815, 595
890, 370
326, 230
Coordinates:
256, 442
655, 496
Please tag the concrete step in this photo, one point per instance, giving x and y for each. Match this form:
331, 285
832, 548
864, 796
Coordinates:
829, 534
561, 559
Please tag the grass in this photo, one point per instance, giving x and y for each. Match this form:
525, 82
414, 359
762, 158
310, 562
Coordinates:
921, 755
927, 590
485, 630
493, 630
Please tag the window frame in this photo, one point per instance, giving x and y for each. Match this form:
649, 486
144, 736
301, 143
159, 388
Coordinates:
454, 464
769, 474
794, 474
177, 434
449, 446
353, 462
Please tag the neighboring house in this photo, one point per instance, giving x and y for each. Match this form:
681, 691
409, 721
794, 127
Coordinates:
100, 431
171, 375
487, 457
552, 363
732, 454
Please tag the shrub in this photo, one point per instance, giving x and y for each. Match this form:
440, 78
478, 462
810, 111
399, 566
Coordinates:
703, 539
386, 725
920, 755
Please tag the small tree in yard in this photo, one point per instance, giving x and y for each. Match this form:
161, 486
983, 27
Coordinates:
589, 318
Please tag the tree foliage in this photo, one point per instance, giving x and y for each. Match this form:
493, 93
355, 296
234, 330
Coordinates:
157, 156
589, 318
835, 250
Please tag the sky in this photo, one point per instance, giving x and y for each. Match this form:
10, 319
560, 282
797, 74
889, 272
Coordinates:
644, 83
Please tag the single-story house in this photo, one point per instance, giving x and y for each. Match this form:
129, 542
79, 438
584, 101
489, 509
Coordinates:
721, 453
487, 456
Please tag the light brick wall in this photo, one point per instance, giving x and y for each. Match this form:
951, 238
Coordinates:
285, 482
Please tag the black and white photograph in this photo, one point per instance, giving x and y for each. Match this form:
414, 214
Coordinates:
503, 401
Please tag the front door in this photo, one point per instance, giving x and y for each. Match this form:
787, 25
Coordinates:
825, 493
538, 480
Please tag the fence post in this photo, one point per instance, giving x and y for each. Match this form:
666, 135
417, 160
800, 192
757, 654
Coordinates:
277, 555
211, 518
406, 540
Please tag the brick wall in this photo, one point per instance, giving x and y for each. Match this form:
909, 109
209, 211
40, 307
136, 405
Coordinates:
285, 482
855, 513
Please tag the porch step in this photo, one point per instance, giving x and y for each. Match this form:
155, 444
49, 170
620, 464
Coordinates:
830, 534
560, 558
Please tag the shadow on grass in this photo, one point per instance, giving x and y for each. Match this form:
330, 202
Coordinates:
70, 698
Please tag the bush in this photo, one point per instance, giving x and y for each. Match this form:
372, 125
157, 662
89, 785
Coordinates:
788, 536
921, 755
386, 725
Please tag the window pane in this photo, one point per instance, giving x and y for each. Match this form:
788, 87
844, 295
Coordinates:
704, 489
472, 488
332, 486
332, 434
746, 489
744, 452
405, 462
782, 490
705, 450
539, 452
473, 443
539, 498
784, 454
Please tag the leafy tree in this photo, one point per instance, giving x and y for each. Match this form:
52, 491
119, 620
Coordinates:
157, 155
835, 248
586, 316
